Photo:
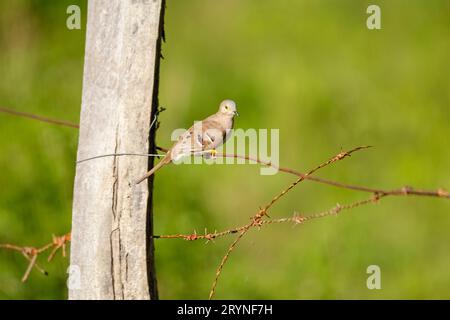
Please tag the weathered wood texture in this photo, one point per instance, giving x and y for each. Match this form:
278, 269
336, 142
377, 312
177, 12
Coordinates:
111, 223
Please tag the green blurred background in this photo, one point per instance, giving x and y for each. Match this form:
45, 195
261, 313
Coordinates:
311, 69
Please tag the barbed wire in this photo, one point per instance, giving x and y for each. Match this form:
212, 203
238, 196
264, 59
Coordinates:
296, 218
261, 218
257, 218
403, 191
31, 253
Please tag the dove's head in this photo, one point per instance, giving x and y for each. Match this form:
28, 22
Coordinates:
228, 107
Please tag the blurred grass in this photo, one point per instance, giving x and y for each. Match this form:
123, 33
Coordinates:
310, 68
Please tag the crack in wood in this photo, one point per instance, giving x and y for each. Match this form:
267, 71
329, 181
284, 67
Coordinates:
116, 219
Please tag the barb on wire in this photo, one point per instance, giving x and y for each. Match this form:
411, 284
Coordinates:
403, 191
31, 253
256, 220
295, 218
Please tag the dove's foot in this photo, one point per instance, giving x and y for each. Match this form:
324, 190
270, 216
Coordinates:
211, 154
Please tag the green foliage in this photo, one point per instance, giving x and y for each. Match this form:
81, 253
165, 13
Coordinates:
310, 68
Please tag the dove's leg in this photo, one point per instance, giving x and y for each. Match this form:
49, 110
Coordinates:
210, 154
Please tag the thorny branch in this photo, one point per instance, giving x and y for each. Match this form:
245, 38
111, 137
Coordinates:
32, 253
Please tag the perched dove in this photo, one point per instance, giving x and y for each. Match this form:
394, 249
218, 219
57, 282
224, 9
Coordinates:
202, 137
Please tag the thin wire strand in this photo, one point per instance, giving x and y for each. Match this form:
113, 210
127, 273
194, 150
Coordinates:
257, 219
39, 118
121, 154
296, 219
403, 191
126, 154
31, 253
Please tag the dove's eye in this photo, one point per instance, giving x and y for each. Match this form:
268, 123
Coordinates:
226, 107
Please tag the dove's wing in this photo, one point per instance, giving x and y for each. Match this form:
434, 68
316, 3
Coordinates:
186, 145
202, 136
213, 135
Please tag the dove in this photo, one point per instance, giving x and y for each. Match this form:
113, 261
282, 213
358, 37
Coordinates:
202, 138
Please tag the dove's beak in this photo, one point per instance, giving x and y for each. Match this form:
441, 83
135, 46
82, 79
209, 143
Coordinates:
236, 113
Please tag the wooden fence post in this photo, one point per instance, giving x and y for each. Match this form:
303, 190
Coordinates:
112, 248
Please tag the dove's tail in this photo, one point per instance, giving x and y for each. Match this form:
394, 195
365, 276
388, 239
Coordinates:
166, 160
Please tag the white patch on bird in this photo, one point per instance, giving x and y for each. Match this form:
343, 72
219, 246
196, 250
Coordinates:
262, 144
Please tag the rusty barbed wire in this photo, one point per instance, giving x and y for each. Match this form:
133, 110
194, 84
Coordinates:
403, 191
32, 253
257, 218
296, 219
258, 221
